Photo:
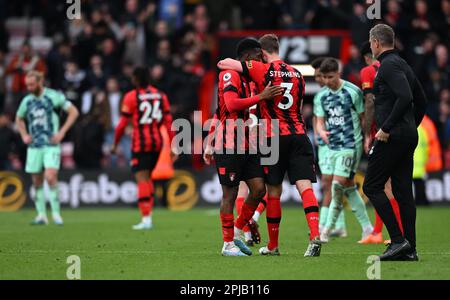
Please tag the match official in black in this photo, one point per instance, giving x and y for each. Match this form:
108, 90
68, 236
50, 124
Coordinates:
399, 108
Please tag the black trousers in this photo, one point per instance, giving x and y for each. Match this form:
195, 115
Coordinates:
394, 160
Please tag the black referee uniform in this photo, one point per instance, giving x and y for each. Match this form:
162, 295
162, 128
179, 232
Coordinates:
399, 108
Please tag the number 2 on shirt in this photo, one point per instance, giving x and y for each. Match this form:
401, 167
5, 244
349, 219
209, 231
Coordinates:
150, 113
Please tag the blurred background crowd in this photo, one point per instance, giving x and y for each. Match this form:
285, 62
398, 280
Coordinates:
90, 60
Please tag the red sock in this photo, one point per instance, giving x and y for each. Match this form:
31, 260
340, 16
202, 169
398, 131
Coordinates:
378, 224
245, 216
239, 202
396, 210
273, 216
311, 208
227, 227
144, 198
262, 205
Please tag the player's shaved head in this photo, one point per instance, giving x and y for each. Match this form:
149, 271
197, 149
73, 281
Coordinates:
270, 43
249, 49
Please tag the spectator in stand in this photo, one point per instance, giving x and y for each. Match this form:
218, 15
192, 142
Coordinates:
2, 82
114, 97
23, 62
74, 83
353, 67
438, 71
8, 140
444, 118
56, 61
133, 45
124, 78
359, 24
85, 46
96, 75
421, 23
111, 54
90, 133
444, 20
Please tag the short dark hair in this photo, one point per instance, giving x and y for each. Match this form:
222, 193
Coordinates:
270, 43
365, 49
247, 46
142, 75
384, 34
329, 65
317, 62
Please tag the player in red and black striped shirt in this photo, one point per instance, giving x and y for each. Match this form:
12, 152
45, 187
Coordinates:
296, 155
234, 100
368, 75
147, 108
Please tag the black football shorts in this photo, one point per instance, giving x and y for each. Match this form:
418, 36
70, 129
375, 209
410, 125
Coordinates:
296, 158
234, 168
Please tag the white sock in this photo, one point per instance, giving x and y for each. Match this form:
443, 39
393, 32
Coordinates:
147, 220
237, 233
368, 229
248, 236
256, 216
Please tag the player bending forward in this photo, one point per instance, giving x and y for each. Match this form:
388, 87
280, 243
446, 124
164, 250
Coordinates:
340, 111
147, 108
40, 109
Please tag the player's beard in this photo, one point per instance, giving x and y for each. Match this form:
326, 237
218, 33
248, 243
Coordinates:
38, 91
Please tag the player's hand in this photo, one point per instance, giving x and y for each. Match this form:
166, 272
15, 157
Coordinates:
57, 138
271, 91
367, 143
208, 155
113, 149
382, 136
324, 135
27, 139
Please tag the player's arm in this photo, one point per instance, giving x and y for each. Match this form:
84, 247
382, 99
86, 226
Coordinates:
209, 147
125, 116
321, 129
167, 121
230, 64
72, 116
235, 104
20, 123
369, 98
22, 128
397, 81
252, 69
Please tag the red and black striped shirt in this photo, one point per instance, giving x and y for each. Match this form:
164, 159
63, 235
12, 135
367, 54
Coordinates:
233, 84
148, 109
285, 108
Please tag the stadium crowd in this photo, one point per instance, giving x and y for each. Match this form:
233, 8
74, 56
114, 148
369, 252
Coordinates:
91, 59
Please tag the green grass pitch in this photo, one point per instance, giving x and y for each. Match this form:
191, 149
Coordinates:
186, 245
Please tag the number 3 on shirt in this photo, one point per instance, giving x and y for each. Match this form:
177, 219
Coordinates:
150, 113
287, 94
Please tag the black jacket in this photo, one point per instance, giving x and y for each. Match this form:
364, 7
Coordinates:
400, 102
